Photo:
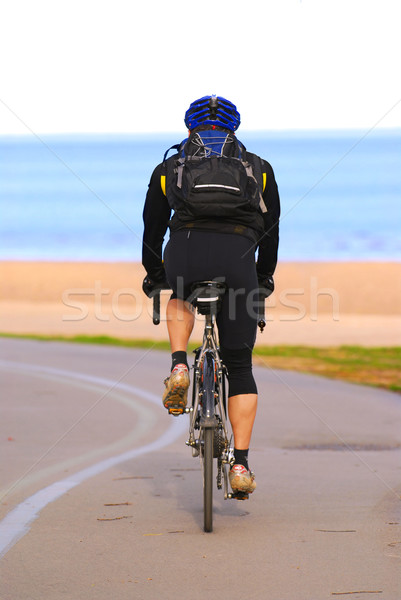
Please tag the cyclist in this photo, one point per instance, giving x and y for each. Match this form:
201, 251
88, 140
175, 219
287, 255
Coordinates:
216, 246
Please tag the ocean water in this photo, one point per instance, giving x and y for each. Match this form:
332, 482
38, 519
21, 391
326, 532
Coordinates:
81, 197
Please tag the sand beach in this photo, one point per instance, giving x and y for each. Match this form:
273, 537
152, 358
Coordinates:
317, 304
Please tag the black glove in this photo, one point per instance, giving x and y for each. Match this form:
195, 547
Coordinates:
151, 287
266, 286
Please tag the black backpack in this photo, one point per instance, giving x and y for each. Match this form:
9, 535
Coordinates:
213, 177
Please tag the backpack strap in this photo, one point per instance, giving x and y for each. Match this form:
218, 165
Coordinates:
163, 175
254, 170
264, 179
179, 169
175, 147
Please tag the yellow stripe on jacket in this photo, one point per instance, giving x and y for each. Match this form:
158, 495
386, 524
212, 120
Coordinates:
163, 183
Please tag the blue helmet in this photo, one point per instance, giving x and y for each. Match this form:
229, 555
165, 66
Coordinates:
212, 110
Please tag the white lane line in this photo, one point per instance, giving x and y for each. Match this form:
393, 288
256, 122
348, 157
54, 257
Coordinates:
29, 368
107, 388
143, 423
17, 522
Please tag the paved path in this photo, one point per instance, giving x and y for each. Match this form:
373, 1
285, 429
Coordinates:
101, 498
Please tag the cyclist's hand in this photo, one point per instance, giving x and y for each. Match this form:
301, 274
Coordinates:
266, 286
151, 287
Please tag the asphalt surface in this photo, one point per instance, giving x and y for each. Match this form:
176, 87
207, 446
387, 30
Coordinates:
102, 499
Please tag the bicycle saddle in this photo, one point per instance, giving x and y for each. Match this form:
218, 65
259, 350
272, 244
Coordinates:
206, 296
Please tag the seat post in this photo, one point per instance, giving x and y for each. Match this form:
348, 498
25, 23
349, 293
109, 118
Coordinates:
209, 322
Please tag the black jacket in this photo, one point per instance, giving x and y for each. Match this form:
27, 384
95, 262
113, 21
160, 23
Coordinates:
157, 213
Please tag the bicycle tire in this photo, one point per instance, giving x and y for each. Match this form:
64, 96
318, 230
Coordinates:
208, 436
208, 425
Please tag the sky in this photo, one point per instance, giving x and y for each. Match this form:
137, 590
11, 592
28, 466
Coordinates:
127, 66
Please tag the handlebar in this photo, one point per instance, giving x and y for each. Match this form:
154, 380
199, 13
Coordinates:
156, 308
261, 313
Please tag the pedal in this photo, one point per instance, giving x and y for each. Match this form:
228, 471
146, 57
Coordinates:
239, 496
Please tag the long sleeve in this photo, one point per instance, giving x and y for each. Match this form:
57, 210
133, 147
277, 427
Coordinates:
268, 244
156, 215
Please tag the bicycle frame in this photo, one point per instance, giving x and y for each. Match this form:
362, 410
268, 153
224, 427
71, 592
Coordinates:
208, 408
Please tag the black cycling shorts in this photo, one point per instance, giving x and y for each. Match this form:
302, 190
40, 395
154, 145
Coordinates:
192, 256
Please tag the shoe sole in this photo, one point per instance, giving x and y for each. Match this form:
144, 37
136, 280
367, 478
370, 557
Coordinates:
176, 400
240, 495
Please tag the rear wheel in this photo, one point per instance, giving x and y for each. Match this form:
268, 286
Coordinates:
208, 425
208, 435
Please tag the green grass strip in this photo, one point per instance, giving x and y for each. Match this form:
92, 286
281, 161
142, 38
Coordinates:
375, 366
380, 367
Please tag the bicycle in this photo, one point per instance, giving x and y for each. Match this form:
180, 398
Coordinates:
209, 434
